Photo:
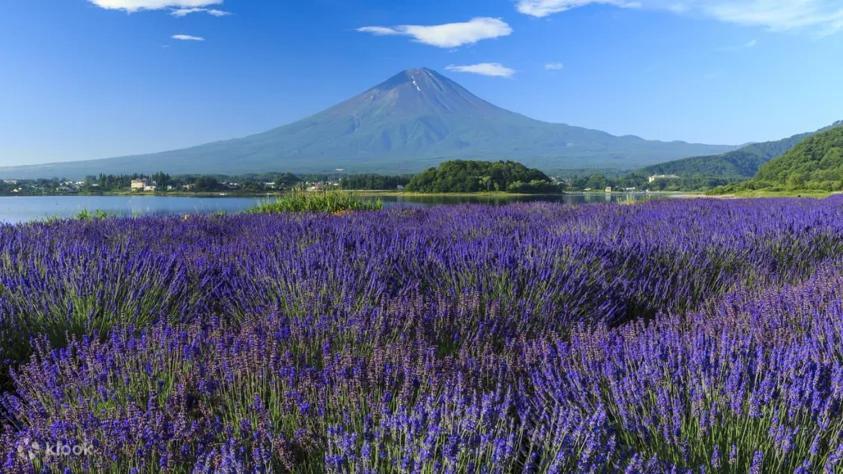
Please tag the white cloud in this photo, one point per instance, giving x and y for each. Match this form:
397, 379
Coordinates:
554, 67
450, 35
188, 38
181, 12
824, 16
484, 69
543, 8
137, 5
380, 30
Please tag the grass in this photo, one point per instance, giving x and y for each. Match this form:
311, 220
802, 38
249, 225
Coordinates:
490, 194
86, 215
319, 201
766, 193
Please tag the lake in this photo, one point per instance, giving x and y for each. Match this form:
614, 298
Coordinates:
18, 209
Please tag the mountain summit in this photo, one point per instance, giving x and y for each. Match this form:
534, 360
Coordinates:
412, 121
415, 92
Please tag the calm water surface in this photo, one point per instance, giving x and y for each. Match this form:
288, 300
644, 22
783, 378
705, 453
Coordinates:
25, 208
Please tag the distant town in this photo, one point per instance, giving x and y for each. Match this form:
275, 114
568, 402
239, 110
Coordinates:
273, 183
161, 183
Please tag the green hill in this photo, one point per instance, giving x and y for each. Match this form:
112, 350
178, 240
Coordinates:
817, 164
461, 176
736, 165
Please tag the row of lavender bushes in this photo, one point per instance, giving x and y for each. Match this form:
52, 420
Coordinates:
687, 335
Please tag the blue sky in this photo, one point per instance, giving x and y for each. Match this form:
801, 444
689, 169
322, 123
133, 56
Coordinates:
83, 79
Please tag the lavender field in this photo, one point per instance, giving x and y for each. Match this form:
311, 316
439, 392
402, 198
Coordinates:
685, 336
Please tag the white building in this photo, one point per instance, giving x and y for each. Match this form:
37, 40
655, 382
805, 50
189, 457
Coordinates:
142, 185
139, 185
659, 177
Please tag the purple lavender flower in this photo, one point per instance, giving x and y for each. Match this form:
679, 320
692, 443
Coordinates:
533, 337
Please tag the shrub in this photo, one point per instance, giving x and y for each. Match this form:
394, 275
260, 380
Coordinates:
319, 201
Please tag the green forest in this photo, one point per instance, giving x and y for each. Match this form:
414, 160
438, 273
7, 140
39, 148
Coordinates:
461, 176
814, 165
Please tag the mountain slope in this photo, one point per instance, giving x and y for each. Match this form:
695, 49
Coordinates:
738, 164
816, 163
412, 121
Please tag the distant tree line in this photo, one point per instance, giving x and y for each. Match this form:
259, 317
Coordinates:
36, 187
641, 182
164, 182
373, 182
461, 176
253, 183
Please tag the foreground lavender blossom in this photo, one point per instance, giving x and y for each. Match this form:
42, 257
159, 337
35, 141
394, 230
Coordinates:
692, 335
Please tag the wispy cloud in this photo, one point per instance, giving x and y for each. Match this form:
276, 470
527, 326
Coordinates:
181, 37
484, 69
137, 5
383, 30
824, 16
181, 12
543, 8
554, 67
450, 35
178, 8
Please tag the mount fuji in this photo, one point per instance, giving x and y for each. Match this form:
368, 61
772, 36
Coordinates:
410, 122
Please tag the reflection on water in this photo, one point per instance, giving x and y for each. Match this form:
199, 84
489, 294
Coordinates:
26, 208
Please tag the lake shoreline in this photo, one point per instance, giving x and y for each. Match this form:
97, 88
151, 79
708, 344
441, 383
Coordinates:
20, 209
368, 193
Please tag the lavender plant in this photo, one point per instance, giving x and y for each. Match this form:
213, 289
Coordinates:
675, 335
